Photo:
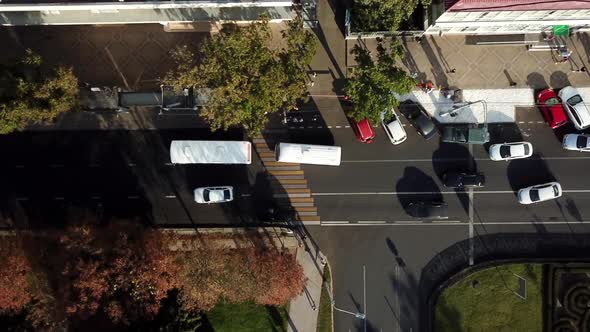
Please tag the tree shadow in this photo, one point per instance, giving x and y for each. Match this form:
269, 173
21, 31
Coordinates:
559, 79
275, 316
537, 82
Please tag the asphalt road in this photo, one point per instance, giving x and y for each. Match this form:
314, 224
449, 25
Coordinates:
46, 175
364, 223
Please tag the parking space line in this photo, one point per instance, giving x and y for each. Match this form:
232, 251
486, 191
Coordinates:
20, 166
170, 196
56, 165
94, 165
169, 164
59, 198
22, 198
133, 197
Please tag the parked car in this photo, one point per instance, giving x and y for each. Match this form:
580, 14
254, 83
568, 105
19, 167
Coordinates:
393, 127
575, 107
539, 193
428, 210
552, 108
419, 119
576, 142
466, 133
462, 180
363, 130
214, 194
509, 151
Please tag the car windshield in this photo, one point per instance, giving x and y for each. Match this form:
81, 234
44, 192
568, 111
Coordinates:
505, 151
526, 149
534, 193
575, 115
555, 191
552, 101
226, 194
581, 142
206, 195
574, 100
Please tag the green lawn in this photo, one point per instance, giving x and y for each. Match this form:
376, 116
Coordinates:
325, 313
492, 305
247, 317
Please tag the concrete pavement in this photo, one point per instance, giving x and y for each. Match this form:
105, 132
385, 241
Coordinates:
488, 66
303, 310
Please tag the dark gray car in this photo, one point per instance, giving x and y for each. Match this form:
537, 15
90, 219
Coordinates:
428, 210
462, 180
419, 118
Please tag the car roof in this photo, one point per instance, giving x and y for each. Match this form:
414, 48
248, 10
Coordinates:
364, 128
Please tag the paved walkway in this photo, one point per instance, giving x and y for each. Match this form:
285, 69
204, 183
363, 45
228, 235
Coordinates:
303, 311
488, 66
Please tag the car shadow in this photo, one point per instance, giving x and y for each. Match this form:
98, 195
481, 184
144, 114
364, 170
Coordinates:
528, 172
416, 186
462, 161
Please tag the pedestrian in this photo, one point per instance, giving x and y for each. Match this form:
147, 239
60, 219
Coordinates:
581, 70
452, 71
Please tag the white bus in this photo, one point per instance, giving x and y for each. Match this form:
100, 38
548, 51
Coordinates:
211, 152
308, 154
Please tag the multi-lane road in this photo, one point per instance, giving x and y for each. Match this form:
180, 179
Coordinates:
377, 251
365, 226
47, 175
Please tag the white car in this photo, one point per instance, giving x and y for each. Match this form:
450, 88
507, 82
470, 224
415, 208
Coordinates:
539, 193
575, 107
214, 194
576, 142
393, 127
509, 151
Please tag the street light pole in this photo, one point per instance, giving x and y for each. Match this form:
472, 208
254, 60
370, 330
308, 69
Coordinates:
358, 315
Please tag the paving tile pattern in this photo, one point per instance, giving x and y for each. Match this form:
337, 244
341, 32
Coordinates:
132, 56
489, 66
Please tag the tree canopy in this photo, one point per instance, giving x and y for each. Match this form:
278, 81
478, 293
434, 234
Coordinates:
28, 95
248, 77
121, 273
382, 15
373, 84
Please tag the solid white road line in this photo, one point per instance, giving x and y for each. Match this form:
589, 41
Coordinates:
455, 223
390, 193
365, 298
450, 159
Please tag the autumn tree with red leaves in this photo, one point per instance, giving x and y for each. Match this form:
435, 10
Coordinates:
268, 277
15, 269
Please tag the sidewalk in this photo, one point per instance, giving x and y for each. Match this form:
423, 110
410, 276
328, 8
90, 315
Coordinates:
303, 310
488, 66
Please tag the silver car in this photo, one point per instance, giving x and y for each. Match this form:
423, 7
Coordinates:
539, 193
509, 151
575, 107
393, 127
576, 142
214, 194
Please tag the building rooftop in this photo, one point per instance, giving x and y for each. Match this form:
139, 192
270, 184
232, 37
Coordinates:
517, 5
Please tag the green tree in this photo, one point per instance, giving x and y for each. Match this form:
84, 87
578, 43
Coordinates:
30, 96
373, 84
380, 15
248, 77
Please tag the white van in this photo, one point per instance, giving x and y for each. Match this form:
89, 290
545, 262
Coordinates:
211, 152
308, 154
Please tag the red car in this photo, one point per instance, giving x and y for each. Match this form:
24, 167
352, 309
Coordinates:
363, 130
552, 108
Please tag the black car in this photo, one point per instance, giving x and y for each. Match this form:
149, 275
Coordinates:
419, 118
461, 180
428, 210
